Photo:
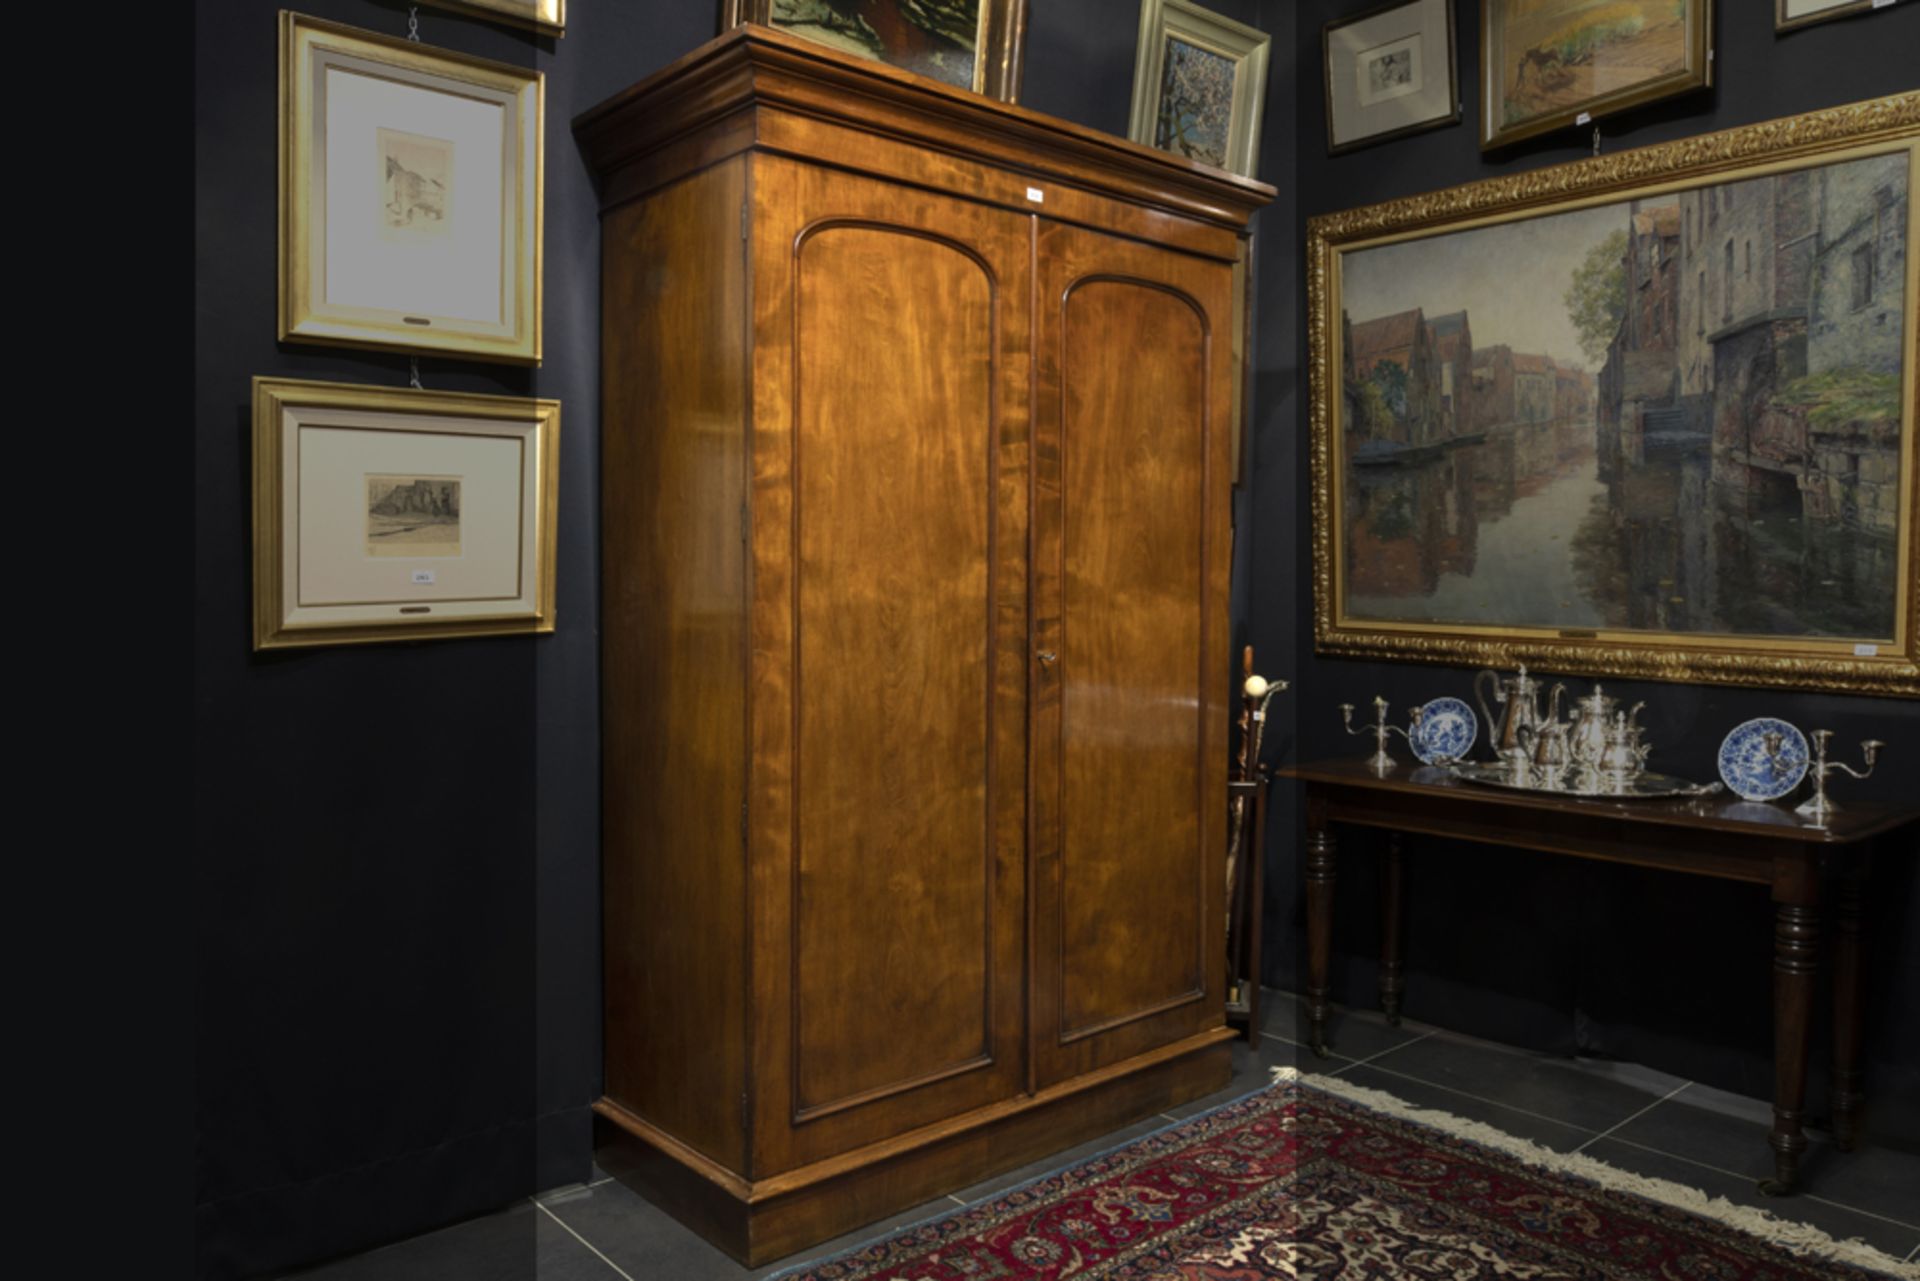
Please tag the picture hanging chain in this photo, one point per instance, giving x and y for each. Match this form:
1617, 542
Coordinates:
1596, 140
413, 33
413, 373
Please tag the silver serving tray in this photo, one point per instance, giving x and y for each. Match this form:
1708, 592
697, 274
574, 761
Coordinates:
1642, 787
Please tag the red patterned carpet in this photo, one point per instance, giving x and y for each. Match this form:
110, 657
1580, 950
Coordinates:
1313, 1177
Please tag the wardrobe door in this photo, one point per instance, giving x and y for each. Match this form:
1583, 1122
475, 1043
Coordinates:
1133, 384
887, 807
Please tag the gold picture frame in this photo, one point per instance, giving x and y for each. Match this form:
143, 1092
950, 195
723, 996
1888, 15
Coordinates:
388, 514
1785, 19
1219, 129
1559, 64
1796, 347
999, 41
549, 17
411, 195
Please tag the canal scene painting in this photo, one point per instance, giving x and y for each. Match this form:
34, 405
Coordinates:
1682, 414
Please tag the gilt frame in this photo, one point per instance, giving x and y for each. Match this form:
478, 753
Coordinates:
999, 56
507, 325
320, 577
1863, 665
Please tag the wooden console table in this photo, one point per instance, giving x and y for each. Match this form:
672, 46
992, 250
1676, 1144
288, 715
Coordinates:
1717, 836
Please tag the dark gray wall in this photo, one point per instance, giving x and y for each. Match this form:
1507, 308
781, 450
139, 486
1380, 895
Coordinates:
1564, 955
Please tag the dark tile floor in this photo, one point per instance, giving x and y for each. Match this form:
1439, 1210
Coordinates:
1630, 1117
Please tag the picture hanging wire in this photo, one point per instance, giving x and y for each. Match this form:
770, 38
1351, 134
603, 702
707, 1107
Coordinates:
413, 34
413, 373
1596, 140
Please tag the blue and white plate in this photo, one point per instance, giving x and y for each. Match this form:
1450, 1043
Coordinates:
1446, 732
1754, 774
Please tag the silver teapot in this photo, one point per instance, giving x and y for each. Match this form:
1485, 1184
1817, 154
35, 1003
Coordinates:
1591, 721
1624, 757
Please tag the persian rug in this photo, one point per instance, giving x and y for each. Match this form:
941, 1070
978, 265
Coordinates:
1315, 1177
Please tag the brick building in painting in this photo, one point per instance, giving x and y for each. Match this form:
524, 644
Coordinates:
1534, 385
1792, 313
1855, 337
1452, 338
1412, 388
1641, 376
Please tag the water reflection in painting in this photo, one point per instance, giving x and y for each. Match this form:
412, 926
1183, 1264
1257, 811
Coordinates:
1677, 414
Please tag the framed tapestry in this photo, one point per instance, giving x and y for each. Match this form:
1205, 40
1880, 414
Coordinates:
410, 195
1389, 72
384, 513
975, 44
1644, 415
1199, 85
1547, 64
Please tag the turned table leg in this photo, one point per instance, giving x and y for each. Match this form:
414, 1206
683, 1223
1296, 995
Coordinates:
1848, 960
1320, 876
1390, 972
1796, 934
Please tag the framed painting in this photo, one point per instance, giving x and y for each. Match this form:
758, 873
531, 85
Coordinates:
385, 513
1647, 415
410, 195
549, 17
975, 44
1389, 72
1199, 83
1790, 15
1548, 64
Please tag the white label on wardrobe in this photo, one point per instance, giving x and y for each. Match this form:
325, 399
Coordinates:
1036, 195
423, 577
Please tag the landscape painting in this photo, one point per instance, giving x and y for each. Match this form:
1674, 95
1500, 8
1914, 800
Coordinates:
937, 38
413, 515
1549, 61
1680, 420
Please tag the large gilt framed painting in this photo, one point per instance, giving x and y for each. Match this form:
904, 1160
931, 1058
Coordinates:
1548, 64
1647, 415
974, 44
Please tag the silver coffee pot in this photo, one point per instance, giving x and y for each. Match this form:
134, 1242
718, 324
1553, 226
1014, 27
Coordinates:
1518, 697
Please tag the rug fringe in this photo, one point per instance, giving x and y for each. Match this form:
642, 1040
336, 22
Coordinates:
1798, 1238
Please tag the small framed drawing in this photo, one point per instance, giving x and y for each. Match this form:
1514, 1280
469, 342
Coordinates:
1389, 72
410, 195
1788, 15
548, 17
384, 513
1199, 83
1548, 64
975, 44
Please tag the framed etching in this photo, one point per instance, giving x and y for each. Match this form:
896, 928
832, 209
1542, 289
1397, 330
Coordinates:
1389, 72
1548, 64
410, 196
1199, 83
975, 44
1789, 15
549, 17
386, 513
1647, 415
